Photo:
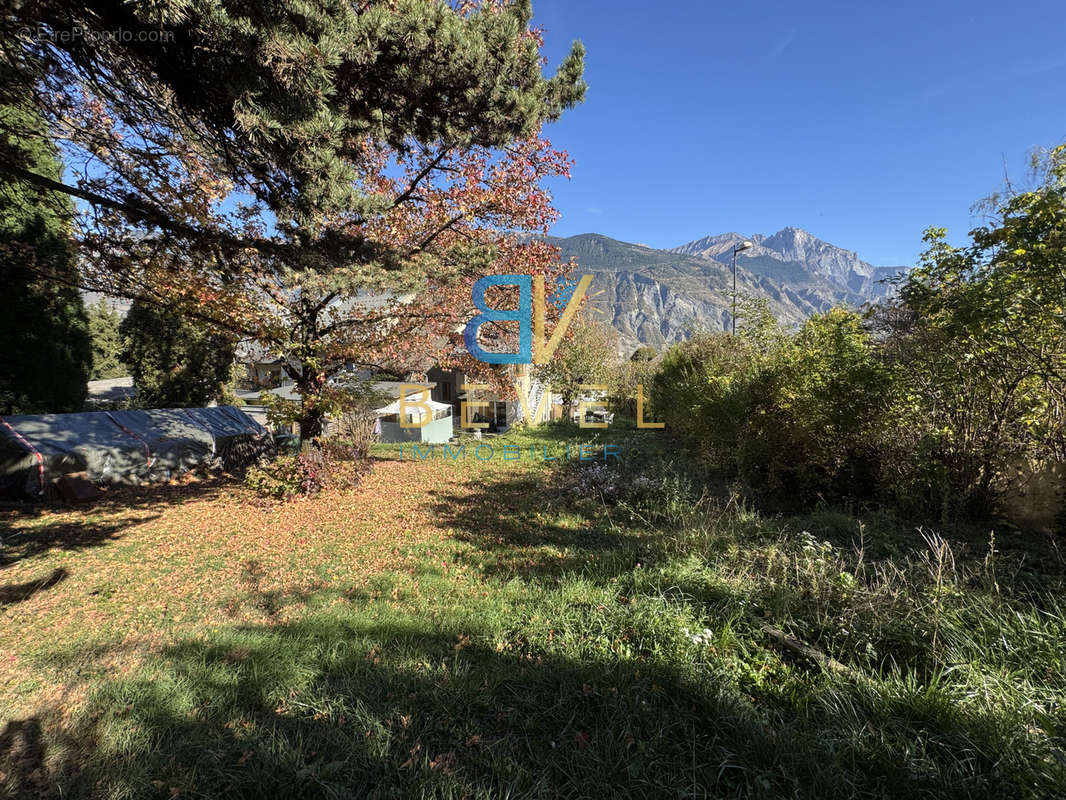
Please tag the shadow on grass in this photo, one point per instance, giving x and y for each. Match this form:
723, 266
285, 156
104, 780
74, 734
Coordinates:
335, 707
22, 754
525, 526
17, 592
177, 493
270, 602
31, 532
63, 534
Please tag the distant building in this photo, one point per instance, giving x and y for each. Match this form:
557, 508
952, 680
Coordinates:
423, 420
500, 414
263, 369
111, 391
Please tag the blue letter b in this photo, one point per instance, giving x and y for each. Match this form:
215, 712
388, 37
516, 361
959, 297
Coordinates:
523, 315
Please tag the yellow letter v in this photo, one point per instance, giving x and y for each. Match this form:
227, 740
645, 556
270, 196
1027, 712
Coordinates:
542, 352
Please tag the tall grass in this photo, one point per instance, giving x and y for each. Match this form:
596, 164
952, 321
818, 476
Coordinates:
597, 643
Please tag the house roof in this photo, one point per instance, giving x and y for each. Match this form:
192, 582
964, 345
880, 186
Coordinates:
288, 391
251, 352
416, 412
112, 389
392, 388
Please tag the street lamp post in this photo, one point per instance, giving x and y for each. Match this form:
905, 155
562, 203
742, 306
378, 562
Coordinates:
736, 249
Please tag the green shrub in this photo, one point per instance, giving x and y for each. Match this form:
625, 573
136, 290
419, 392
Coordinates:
818, 411
702, 392
323, 465
795, 418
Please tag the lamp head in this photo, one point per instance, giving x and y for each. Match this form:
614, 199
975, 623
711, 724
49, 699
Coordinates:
746, 244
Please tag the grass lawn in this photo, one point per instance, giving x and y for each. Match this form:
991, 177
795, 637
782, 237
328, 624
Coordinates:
499, 629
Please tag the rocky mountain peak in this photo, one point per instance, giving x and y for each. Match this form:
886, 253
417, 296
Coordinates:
720, 246
843, 267
659, 297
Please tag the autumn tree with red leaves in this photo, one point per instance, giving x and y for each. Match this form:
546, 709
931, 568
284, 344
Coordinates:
327, 180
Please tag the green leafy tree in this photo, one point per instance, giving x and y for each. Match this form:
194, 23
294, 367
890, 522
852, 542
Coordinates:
979, 339
756, 323
175, 363
625, 376
46, 354
265, 166
586, 357
104, 324
818, 412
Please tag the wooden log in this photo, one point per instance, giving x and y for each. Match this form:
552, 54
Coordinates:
807, 651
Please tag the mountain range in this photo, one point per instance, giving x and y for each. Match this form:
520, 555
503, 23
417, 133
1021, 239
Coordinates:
658, 297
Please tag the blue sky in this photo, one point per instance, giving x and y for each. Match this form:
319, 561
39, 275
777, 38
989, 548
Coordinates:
863, 122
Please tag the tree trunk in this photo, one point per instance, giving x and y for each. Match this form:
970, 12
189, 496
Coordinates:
311, 422
570, 404
311, 417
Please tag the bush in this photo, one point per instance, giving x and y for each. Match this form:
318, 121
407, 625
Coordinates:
649, 486
969, 409
931, 416
354, 434
329, 464
702, 393
794, 418
304, 474
818, 412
